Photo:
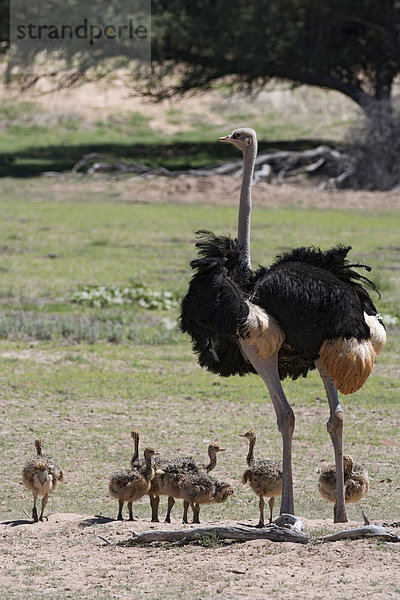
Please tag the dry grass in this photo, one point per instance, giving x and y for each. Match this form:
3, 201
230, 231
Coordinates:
311, 112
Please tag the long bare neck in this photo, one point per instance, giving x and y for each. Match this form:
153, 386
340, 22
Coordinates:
213, 461
250, 454
136, 451
249, 157
38, 446
149, 471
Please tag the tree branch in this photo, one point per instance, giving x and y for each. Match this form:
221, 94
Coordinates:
237, 534
366, 531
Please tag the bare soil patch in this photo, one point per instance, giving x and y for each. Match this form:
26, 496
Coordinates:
65, 557
221, 190
224, 190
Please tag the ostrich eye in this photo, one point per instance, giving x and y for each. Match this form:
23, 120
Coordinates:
237, 134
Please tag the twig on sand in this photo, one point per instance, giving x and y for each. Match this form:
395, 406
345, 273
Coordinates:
106, 540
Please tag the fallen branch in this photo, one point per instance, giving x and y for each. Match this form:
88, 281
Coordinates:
366, 531
237, 534
281, 164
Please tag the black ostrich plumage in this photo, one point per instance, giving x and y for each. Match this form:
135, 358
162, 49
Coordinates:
314, 295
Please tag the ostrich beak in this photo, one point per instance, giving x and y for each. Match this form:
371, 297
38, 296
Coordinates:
226, 138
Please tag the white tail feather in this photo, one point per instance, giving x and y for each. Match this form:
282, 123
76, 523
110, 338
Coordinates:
377, 332
262, 331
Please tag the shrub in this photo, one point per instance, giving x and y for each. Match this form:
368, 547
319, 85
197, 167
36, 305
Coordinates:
100, 296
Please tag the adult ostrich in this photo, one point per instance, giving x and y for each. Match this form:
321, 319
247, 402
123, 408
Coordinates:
308, 309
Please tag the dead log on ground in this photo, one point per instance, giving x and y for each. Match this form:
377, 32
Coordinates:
336, 166
366, 531
237, 534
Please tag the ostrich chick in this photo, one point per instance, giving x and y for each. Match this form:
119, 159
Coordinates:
41, 474
170, 474
131, 485
200, 488
356, 482
264, 477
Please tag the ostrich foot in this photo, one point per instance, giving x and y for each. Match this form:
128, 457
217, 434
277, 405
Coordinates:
289, 521
44, 517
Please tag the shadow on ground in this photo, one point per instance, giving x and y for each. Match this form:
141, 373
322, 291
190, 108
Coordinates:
96, 520
18, 522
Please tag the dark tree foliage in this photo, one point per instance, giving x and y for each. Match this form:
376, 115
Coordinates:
351, 46
4, 25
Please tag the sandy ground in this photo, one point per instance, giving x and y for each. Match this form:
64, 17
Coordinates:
64, 557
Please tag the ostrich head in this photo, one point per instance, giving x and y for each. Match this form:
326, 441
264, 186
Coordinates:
347, 464
213, 449
39, 446
250, 435
135, 435
149, 453
222, 491
243, 138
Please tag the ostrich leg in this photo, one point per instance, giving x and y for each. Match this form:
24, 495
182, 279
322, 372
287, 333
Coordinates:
185, 512
335, 429
44, 502
267, 368
154, 503
34, 510
171, 502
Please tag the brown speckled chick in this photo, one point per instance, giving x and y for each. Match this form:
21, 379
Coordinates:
41, 474
356, 481
264, 477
